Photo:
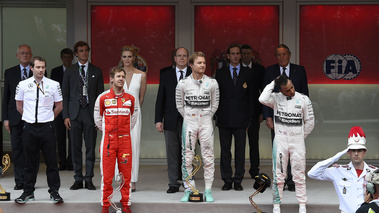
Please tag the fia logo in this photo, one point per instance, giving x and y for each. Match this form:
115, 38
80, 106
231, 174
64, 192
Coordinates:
338, 66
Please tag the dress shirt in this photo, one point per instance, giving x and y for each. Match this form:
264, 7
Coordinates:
48, 93
238, 70
178, 73
85, 69
287, 70
249, 65
86, 73
22, 71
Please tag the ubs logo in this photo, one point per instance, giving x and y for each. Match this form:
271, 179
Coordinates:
338, 66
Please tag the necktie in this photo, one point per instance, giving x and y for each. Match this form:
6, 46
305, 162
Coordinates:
235, 75
181, 75
83, 98
24, 74
284, 72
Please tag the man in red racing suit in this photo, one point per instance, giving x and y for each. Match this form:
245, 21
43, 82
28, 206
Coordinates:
114, 116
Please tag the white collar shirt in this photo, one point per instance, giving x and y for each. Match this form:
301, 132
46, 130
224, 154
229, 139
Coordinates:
287, 70
248, 65
178, 72
231, 69
27, 70
46, 95
85, 67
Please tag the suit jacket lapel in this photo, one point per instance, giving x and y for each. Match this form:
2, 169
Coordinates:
173, 75
89, 74
189, 71
277, 71
30, 73
75, 75
292, 71
19, 74
229, 74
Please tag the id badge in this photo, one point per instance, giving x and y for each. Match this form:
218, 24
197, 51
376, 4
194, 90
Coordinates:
85, 91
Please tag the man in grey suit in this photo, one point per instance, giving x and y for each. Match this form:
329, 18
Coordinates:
82, 83
11, 117
166, 112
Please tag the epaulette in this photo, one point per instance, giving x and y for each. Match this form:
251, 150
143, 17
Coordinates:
372, 167
347, 167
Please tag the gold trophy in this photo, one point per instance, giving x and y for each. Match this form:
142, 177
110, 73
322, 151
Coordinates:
6, 162
195, 196
262, 181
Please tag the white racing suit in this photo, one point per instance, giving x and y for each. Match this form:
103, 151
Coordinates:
197, 101
350, 188
293, 122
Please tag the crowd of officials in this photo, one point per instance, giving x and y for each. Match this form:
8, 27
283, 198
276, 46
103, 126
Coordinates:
40, 112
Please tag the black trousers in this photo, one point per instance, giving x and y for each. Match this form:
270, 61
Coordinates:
38, 137
226, 156
61, 133
18, 157
253, 135
83, 125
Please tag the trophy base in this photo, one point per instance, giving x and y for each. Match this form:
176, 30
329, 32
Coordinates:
5, 196
117, 211
196, 197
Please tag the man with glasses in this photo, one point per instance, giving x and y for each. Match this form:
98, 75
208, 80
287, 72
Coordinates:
348, 180
11, 117
167, 118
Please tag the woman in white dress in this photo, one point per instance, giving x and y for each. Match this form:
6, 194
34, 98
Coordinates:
135, 84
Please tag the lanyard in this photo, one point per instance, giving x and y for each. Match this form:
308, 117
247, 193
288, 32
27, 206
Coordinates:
41, 89
84, 78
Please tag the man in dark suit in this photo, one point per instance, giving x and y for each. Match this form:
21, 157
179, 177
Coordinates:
82, 83
168, 119
257, 71
11, 117
298, 76
234, 115
57, 74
